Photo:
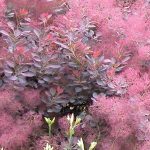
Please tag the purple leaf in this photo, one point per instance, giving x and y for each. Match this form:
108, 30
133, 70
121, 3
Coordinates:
4, 33
52, 91
13, 78
53, 66
10, 64
28, 74
9, 71
62, 45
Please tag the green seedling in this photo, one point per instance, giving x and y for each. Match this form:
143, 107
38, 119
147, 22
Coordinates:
81, 145
73, 124
93, 146
48, 147
50, 123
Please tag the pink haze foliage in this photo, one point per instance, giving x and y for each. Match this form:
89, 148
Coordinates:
122, 29
22, 123
21, 129
128, 115
2, 6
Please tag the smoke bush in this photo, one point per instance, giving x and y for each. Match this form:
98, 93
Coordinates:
53, 52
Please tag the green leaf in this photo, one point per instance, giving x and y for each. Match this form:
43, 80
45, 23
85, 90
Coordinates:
93, 145
48, 147
81, 144
47, 120
78, 120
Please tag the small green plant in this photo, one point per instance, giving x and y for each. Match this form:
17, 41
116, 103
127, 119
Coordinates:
81, 145
50, 123
48, 147
93, 145
73, 124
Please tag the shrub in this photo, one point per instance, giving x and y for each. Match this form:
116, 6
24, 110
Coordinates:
68, 75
